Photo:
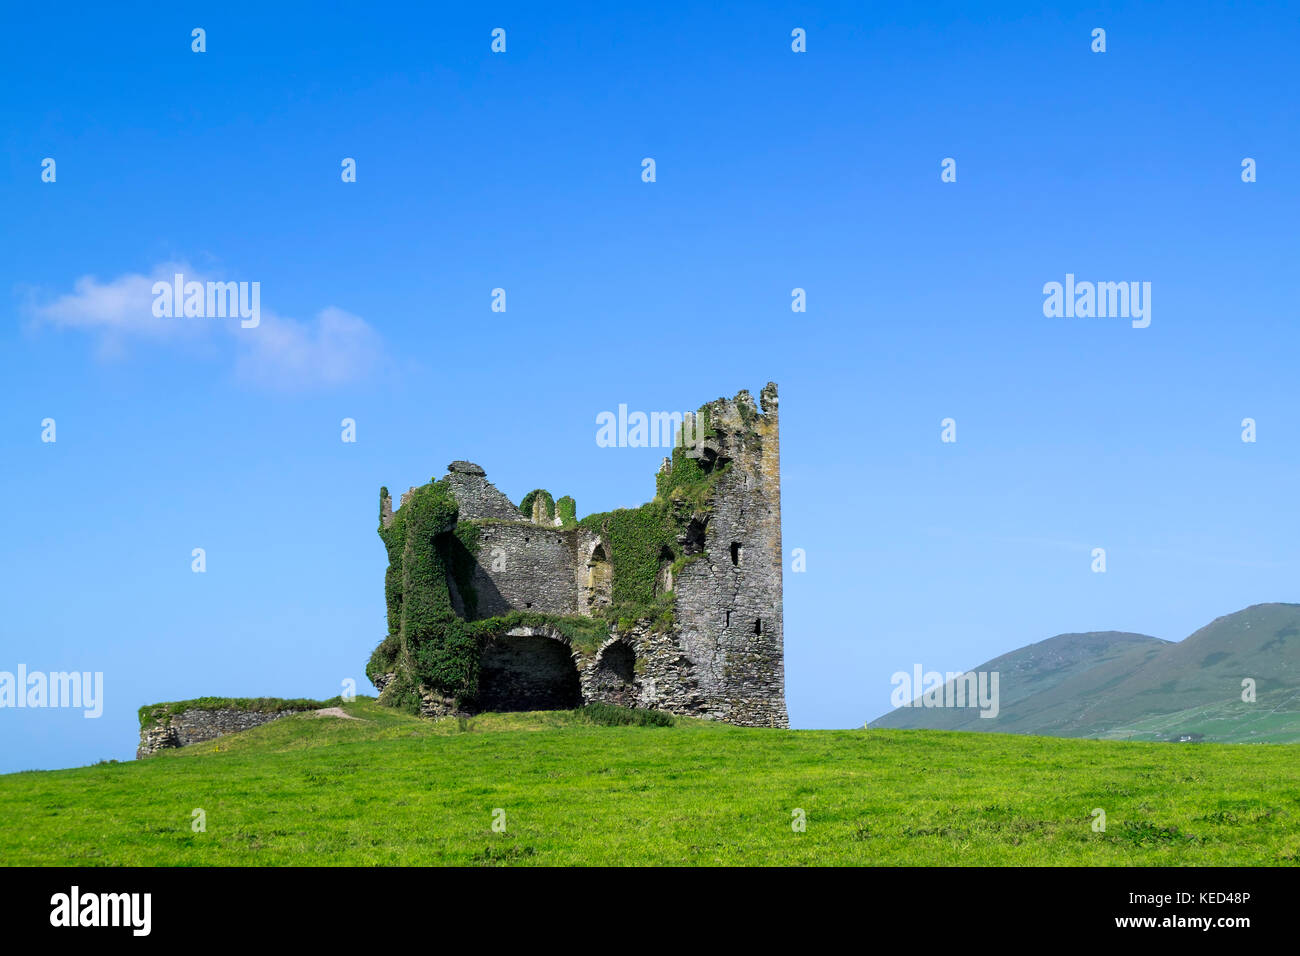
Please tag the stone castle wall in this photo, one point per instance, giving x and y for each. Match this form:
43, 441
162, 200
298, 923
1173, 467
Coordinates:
729, 603
722, 659
197, 726
523, 566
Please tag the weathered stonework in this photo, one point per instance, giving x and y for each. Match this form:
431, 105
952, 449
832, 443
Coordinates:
719, 654
196, 726
729, 601
478, 498
523, 566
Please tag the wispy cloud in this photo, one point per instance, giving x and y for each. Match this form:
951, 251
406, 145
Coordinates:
334, 348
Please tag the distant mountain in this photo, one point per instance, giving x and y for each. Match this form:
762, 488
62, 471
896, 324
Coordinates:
1027, 678
1130, 686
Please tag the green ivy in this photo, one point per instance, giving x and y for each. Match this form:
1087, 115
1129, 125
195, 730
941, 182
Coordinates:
638, 539
584, 634
462, 557
548, 503
425, 546
429, 644
383, 660
401, 693
612, 715
685, 481
634, 539
567, 509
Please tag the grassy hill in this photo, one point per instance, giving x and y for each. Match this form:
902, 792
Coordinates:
1027, 678
391, 789
1134, 687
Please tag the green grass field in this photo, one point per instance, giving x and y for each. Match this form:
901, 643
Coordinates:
1270, 721
392, 789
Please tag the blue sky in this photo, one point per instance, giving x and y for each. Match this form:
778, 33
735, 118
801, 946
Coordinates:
522, 171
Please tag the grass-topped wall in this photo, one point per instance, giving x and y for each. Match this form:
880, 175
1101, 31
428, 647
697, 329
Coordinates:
162, 713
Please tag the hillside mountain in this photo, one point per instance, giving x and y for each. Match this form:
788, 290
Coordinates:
1131, 686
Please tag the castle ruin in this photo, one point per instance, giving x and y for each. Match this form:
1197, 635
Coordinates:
674, 605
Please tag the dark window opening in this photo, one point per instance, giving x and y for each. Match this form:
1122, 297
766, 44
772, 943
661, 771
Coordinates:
735, 553
693, 540
758, 626
615, 675
664, 577
728, 624
617, 665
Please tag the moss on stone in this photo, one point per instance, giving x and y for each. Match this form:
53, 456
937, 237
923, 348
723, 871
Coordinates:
429, 644
461, 548
567, 509
547, 504
164, 712
431, 638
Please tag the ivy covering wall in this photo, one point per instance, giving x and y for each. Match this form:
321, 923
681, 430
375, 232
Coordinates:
429, 644
547, 510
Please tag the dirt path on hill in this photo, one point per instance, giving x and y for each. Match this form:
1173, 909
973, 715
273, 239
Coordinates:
333, 712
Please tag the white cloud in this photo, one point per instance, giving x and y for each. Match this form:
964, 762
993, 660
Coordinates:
116, 310
334, 348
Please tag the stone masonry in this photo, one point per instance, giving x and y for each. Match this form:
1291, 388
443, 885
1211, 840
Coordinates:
196, 726
723, 656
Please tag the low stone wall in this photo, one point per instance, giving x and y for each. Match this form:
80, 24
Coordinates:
197, 726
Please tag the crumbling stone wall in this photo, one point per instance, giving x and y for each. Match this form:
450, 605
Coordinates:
729, 602
477, 497
523, 566
720, 652
612, 674
198, 726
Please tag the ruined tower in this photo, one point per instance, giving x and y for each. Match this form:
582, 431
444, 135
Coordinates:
674, 605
